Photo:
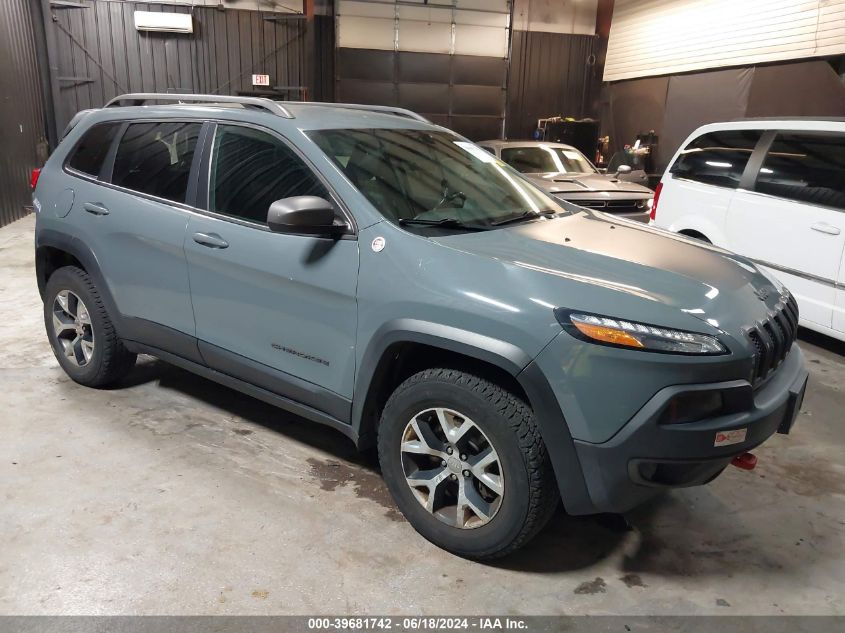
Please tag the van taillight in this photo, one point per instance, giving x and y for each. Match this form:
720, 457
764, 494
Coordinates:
657, 190
33, 178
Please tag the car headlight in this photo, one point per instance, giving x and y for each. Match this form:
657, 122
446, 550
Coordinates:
642, 336
649, 203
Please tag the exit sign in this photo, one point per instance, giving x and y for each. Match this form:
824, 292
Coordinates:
261, 80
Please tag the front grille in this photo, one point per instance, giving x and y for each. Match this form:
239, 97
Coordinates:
773, 337
611, 206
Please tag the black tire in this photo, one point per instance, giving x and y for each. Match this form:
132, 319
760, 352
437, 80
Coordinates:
530, 491
110, 360
696, 236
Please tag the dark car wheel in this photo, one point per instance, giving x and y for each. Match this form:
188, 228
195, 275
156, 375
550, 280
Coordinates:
80, 330
465, 463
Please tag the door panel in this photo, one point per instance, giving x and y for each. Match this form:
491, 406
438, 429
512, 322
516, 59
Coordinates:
284, 302
780, 232
138, 240
138, 245
795, 218
839, 309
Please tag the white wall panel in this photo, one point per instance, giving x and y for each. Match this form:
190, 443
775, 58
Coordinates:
357, 32
463, 27
481, 40
577, 17
659, 37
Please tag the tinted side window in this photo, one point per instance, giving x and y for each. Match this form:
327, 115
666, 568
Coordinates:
806, 167
251, 169
155, 158
90, 152
717, 158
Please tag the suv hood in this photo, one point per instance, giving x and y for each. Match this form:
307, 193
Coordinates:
634, 262
587, 183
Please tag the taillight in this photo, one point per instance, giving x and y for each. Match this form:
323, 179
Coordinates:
657, 191
33, 178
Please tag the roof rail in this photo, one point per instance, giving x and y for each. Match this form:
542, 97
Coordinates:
140, 98
367, 108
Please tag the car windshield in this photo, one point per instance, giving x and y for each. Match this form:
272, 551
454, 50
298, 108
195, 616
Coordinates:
432, 178
535, 159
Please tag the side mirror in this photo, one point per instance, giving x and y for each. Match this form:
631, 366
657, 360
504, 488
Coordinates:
623, 169
304, 215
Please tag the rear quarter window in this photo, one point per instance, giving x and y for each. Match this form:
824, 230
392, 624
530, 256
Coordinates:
90, 152
717, 158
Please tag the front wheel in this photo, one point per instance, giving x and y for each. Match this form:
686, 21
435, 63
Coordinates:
465, 463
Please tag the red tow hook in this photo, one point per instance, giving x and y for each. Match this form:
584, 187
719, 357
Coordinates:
746, 461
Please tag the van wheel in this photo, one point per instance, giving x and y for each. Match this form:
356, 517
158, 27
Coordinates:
81, 332
696, 235
465, 463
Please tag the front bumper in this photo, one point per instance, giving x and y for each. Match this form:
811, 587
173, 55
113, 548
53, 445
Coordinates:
647, 456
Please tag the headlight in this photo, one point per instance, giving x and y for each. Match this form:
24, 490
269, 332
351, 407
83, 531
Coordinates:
649, 203
649, 338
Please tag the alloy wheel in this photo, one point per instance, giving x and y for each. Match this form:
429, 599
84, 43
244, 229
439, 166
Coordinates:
72, 327
452, 468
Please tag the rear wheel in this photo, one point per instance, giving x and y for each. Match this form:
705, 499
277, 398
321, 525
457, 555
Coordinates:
465, 463
81, 333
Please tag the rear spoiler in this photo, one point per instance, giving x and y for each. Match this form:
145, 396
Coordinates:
74, 121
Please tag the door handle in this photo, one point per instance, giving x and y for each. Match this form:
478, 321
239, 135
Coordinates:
824, 227
212, 240
96, 208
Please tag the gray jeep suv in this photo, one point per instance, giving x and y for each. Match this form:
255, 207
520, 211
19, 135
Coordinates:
368, 270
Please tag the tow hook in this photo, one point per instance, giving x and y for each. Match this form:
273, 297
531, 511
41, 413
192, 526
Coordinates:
746, 461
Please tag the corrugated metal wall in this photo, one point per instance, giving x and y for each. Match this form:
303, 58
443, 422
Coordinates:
101, 55
21, 114
660, 37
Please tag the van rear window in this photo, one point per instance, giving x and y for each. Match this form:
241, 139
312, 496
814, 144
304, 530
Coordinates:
717, 158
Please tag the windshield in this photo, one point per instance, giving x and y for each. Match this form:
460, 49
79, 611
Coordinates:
423, 177
537, 159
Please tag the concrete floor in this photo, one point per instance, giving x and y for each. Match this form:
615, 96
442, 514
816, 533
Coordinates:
173, 495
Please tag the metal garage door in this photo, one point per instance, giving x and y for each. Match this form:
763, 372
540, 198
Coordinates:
445, 59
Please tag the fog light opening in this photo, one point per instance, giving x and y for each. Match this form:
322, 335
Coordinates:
692, 406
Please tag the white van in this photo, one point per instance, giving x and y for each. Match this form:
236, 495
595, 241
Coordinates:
774, 191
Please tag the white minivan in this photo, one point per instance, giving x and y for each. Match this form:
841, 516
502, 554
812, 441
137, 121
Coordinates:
774, 191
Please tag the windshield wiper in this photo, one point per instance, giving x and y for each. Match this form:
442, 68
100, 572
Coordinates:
444, 222
527, 215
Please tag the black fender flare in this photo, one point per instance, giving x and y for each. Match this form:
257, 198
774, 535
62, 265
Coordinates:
82, 253
501, 354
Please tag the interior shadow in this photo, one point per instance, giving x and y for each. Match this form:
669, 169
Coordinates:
823, 341
568, 543
251, 409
